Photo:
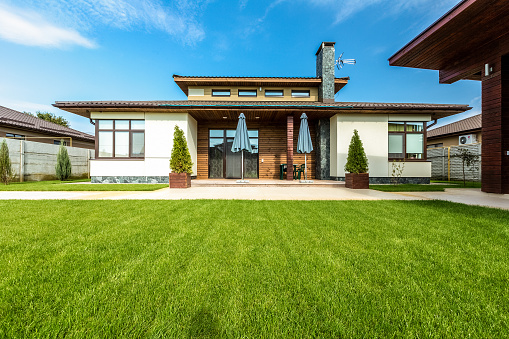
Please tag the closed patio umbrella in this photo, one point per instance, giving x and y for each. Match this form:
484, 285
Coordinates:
304, 144
241, 142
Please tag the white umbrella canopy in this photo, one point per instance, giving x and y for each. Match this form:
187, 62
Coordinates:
241, 142
304, 143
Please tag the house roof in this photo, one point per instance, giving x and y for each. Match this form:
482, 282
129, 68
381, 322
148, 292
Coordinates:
459, 127
457, 42
203, 108
185, 81
15, 119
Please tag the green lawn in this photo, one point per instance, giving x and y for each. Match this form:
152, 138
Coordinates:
74, 185
439, 186
253, 269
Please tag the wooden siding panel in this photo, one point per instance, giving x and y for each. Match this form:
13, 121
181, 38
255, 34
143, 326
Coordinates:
495, 129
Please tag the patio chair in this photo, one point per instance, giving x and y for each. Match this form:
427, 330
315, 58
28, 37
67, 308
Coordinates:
298, 172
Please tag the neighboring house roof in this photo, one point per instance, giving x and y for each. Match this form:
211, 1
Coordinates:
459, 127
436, 110
184, 81
15, 119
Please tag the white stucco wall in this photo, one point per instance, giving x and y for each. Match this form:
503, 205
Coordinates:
413, 169
159, 128
373, 131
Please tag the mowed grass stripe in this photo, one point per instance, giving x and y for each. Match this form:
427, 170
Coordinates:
253, 269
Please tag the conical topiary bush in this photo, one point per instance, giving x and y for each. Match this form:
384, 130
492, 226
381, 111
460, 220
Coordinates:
6, 173
356, 164
181, 164
63, 167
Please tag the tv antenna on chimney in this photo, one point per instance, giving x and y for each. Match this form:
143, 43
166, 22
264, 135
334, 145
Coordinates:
340, 62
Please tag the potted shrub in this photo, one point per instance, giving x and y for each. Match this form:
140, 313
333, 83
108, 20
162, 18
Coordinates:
356, 164
180, 163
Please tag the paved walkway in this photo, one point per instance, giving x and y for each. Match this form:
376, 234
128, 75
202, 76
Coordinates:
460, 195
469, 196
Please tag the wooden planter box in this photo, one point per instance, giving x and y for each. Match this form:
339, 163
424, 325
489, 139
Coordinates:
357, 181
180, 180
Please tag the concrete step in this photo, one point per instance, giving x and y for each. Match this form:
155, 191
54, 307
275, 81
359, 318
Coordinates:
265, 183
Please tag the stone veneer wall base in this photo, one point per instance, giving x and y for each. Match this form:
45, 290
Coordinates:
387, 180
130, 180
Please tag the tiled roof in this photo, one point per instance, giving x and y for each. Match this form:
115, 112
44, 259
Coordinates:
256, 104
462, 126
17, 119
241, 77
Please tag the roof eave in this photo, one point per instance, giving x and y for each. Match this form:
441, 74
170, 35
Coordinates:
396, 59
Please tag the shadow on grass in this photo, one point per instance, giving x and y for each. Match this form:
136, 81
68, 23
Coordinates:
204, 324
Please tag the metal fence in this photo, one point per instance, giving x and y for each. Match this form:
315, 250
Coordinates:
447, 165
34, 161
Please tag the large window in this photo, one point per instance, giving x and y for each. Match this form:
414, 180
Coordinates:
406, 140
121, 139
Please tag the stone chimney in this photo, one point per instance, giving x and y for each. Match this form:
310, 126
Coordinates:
325, 60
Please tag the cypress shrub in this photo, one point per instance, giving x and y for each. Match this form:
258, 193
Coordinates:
63, 167
180, 161
356, 162
6, 173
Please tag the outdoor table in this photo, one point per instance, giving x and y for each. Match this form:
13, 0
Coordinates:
283, 168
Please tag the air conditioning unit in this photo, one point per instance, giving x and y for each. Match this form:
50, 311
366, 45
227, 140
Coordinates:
467, 139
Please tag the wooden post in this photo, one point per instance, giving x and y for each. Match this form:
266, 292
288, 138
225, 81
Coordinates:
495, 129
289, 147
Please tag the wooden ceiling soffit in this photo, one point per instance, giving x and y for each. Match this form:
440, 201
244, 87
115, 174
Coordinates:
459, 42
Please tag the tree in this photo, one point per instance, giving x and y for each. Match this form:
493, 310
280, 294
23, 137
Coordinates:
180, 161
50, 117
356, 162
63, 167
6, 172
468, 159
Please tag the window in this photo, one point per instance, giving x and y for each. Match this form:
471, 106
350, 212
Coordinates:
436, 145
247, 92
15, 136
121, 138
406, 140
58, 142
220, 92
297, 93
273, 92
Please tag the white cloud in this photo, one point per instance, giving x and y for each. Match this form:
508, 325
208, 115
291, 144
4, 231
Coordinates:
344, 9
28, 28
178, 18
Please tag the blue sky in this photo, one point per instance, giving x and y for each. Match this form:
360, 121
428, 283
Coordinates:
60, 50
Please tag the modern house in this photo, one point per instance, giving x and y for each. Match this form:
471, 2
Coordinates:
463, 132
471, 42
21, 126
134, 138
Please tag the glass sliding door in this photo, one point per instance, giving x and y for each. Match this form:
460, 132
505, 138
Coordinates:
216, 153
223, 163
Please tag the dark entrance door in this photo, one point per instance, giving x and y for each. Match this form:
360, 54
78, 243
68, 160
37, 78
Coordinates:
223, 163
